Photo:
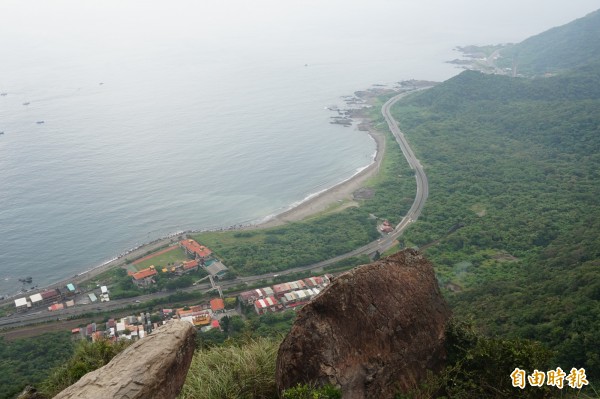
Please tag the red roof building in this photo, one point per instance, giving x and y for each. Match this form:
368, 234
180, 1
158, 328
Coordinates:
281, 289
217, 305
144, 277
190, 265
50, 296
144, 274
263, 305
193, 248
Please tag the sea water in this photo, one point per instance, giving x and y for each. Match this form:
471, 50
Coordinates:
126, 121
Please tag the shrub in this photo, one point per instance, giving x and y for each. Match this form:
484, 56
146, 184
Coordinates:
307, 391
245, 371
88, 356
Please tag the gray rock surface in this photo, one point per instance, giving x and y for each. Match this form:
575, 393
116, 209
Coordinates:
373, 332
155, 367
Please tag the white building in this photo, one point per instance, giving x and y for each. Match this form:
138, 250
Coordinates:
22, 304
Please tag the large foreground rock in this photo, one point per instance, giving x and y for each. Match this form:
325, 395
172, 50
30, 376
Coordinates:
153, 367
373, 332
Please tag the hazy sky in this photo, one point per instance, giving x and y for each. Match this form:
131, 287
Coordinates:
124, 22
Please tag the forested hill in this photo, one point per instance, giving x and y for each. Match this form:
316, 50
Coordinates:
580, 83
561, 48
516, 162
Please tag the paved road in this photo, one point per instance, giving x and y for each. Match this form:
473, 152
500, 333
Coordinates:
380, 245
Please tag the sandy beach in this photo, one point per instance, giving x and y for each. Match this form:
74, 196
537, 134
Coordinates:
340, 192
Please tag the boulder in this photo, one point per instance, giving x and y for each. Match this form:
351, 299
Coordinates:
154, 367
373, 332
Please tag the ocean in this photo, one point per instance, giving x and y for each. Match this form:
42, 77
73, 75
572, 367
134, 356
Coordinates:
126, 121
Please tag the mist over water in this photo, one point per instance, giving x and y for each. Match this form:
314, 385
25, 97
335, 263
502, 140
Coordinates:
163, 117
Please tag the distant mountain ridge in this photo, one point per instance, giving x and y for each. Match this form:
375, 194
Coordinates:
564, 47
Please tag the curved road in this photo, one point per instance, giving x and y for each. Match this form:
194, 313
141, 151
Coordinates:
381, 245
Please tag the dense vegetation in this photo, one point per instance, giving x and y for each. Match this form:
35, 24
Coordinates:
557, 49
29, 360
516, 163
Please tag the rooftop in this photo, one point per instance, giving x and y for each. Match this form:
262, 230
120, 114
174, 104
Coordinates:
142, 274
216, 268
21, 302
50, 294
190, 264
35, 298
217, 304
193, 247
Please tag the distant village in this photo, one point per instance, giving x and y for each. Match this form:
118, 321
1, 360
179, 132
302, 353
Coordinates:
70, 295
205, 316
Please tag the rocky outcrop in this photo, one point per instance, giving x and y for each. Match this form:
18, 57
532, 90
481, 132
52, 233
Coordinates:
153, 367
30, 393
373, 332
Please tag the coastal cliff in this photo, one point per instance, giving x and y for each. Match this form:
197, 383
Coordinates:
373, 332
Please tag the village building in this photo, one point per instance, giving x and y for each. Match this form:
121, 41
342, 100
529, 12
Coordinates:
36, 300
50, 296
217, 305
22, 304
386, 227
56, 306
299, 297
190, 266
270, 303
281, 289
143, 278
249, 297
216, 268
71, 290
195, 250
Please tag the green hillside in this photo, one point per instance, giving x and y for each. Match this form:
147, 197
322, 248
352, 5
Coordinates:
516, 162
569, 46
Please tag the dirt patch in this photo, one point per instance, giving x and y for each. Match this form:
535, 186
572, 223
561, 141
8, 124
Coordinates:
453, 287
505, 257
363, 193
479, 210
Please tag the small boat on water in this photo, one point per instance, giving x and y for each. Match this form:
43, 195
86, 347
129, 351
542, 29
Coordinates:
26, 103
40, 122
1, 132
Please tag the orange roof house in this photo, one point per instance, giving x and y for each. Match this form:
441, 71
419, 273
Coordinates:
142, 274
217, 305
193, 248
144, 277
190, 264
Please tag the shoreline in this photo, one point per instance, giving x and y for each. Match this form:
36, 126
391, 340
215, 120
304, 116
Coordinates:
328, 197
311, 206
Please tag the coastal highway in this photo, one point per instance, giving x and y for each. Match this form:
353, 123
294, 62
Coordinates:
381, 245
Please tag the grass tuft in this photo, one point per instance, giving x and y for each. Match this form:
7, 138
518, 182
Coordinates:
245, 371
